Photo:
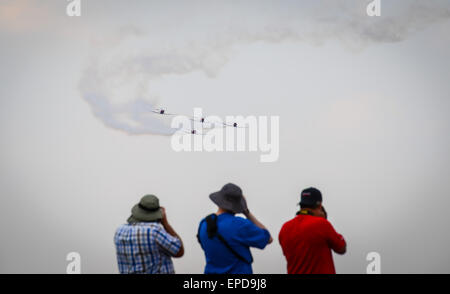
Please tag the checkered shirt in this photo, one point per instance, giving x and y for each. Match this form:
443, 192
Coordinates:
145, 248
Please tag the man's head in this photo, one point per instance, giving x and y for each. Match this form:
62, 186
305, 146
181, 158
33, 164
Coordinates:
147, 210
230, 198
311, 200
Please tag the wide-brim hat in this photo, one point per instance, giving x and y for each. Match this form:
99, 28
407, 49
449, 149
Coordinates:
230, 198
147, 210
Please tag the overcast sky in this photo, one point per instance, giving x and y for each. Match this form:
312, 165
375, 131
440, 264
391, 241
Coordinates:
363, 105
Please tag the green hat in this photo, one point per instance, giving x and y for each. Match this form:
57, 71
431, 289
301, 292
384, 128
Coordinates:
147, 210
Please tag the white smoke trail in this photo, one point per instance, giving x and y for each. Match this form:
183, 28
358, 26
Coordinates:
116, 82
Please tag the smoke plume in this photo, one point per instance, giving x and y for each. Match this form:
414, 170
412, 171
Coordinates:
117, 82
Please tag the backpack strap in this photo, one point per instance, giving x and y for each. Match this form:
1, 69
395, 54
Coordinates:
212, 231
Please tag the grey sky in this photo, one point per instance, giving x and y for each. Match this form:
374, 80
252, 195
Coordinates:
363, 105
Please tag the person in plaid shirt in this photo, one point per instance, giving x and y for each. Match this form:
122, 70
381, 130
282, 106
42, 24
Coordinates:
147, 243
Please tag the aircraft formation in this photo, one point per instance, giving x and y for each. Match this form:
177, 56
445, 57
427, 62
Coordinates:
205, 122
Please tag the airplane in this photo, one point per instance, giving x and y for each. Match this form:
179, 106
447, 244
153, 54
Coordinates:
162, 111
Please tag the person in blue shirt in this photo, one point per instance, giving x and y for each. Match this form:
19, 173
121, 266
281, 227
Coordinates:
226, 239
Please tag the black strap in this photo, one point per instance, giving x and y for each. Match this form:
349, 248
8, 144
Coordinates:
304, 212
307, 212
148, 209
212, 231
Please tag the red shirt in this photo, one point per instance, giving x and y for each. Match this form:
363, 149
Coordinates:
307, 241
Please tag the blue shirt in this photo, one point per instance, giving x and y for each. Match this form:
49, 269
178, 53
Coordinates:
145, 248
240, 234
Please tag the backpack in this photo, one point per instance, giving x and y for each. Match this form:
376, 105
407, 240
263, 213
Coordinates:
212, 231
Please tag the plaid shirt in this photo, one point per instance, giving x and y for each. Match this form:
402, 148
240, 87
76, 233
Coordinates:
145, 248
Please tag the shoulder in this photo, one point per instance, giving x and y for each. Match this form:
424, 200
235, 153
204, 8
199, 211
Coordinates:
288, 225
157, 226
245, 227
320, 223
122, 228
307, 220
240, 221
148, 227
291, 221
202, 223
203, 220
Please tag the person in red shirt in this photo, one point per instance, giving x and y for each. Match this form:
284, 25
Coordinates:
308, 238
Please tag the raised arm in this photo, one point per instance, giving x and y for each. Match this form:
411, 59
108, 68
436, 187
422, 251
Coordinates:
171, 231
254, 220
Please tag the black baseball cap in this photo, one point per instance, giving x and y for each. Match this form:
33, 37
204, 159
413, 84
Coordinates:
311, 197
